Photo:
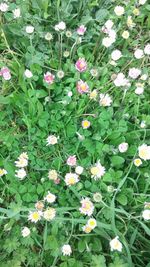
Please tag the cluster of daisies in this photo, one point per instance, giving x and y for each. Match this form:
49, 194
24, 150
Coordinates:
135, 77
21, 163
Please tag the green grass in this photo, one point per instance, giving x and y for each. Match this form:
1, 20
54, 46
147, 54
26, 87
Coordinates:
31, 110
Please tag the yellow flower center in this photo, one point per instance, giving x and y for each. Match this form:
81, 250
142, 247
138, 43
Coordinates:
87, 229
1, 172
92, 223
83, 87
86, 123
35, 216
116, 244
94, 170
71, 180
137, 162
143, 153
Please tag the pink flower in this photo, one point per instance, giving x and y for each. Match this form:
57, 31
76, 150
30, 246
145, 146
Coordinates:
81, 30
81, 65
71, 161
82, 87
5, 72
49, 77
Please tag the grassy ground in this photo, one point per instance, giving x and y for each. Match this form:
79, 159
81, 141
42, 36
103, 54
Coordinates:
49, 114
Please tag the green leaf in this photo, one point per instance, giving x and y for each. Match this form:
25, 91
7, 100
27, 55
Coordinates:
122, 199
117, 160
102, 14
118, 263
98, 261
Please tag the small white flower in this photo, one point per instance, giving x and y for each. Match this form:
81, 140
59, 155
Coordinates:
71, 179
87, 207
91, 223
120, 80
116, 54
34, 216
48, 36
21, 174
52, 140
28, 74
66, 53
144, 152
69, 94
66, 250
79, 170
21, 163
119, 10
123, 147
61, 26
25, 232
134, 73
53, 175
139, 90
137, 162
143, 124
16, 13
138, 53
115, 244
97, 171
68, 34
142, 2
144, 77
50, 198
112, 35
97, 197
107, 41
60, 74
125, 34
108, 24
23, 155
147, 49
3, 7
105, 100
29, 29
49, 214
146, 215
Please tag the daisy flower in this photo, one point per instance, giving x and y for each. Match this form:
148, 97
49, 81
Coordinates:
21, 163
86, 124
137, 162
81, 30
21, 173
50, 198
52, 175
66, 250
87, 207
34, 216
81, 65
49, 214
91, 223
144, 152
82, 87
71, 161
51, 140
71, 178
123, 147
25, 232
115, 244
86, 229
49, 77
105, 100
97, 171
